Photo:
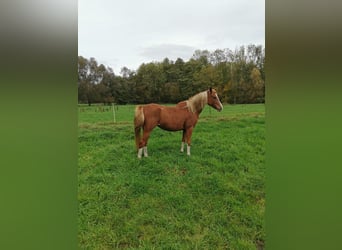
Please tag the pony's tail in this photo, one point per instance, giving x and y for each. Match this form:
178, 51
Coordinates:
139, 120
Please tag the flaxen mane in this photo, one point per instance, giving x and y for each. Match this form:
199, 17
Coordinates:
197, 102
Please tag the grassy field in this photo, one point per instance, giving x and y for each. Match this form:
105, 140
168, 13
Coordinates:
214, 199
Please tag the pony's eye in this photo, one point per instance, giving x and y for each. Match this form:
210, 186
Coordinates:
214, 97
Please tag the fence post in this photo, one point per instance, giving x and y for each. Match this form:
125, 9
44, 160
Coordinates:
114, 112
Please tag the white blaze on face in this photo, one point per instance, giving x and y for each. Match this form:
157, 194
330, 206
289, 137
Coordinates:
219, 101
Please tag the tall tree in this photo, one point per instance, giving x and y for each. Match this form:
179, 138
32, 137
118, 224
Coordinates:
238, 75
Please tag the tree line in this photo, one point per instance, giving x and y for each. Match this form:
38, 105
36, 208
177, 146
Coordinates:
238, 76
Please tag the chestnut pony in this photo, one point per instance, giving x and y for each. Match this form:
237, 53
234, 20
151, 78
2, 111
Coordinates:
183, 116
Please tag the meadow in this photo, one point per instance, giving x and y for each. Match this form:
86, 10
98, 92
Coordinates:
214, 199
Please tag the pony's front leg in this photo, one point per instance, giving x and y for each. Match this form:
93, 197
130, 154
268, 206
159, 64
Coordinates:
145, 151
188, 150
140, 151
183, 140
188, 140
182, 147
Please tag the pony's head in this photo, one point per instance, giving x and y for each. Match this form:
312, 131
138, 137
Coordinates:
213, 99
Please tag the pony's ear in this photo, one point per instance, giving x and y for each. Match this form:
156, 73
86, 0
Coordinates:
210, 89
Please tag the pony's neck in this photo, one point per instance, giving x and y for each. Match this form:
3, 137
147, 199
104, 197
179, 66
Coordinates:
197, 102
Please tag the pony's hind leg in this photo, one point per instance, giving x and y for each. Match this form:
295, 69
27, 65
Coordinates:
143, 144
141, 151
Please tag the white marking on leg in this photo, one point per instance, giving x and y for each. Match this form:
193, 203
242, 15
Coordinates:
145, 151
182, 147
188, 150
140, 152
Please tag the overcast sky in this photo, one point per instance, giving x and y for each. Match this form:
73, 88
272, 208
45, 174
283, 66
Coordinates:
131, 32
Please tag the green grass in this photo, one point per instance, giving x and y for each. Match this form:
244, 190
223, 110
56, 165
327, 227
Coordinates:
214, 199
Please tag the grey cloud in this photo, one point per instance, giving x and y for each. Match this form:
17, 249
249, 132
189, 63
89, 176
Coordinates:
135, 32
171, 51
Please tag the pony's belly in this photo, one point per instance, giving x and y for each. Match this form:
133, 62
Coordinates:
172, 119
172, 127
